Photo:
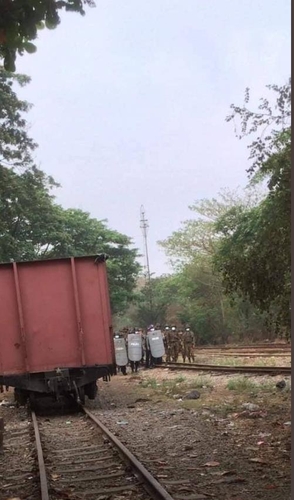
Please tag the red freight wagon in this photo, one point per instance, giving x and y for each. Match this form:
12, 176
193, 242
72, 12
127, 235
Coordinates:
55, 326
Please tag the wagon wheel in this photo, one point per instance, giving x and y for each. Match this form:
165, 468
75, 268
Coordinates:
81, 391
91, 390
20, 396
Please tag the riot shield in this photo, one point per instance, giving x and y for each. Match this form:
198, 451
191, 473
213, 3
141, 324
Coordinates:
134, 347
120, 350
156, 344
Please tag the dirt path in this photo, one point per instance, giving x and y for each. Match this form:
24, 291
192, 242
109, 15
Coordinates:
211, 446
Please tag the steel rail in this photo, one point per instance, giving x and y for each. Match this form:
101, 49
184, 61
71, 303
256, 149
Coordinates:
237, 354
152, 485
280, 370
42, 470
269, 347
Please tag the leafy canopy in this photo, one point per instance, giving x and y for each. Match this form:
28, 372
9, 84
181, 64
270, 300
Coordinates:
254, 251
197, 236
20, 21
16, 147
198, 297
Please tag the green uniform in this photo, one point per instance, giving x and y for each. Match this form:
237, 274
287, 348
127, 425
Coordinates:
173, 343
188, 346
181, 344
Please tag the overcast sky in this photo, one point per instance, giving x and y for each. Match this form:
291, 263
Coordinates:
130, 104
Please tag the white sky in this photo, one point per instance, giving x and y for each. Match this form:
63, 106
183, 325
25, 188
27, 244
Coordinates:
130, 104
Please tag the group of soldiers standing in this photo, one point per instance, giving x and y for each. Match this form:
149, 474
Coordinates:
135, 346
179, 342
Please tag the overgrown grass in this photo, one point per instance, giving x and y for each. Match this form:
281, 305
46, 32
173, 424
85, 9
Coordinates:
243, 384
240, 384
231, 361
177, 386
271, 361
200, 381
149, 382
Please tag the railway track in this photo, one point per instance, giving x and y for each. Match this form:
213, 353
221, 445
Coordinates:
18, 468
257, 370
252, 347
237, 354
79, 458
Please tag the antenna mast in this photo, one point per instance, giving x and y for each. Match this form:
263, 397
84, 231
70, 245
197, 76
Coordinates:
144, 226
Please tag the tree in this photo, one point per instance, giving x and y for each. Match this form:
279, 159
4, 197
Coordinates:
27, 213
26, 204
76, 233
16, 146
201, 297
163, 292
203, 304
33, 227
272, 121
254, 252
20, 21
198, 236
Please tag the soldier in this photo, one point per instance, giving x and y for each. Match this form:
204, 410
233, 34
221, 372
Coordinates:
141, 331
173, 343
121, 354
156, 344
149, 359
167, 351
158, 361
135, 363
181, 343
125, 332
176, 344
188, 344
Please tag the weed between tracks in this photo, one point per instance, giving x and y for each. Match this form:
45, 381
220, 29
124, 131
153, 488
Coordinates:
243, 384
243, 361
222, 393
172, 387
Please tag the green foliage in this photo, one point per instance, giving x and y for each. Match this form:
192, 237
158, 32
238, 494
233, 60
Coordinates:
197, 236
271, 121
149, 382
32, 226
232, 259
254, 251
241, 384
199, 291
200, 381
20, 21
16, 146
27, 213
76, 233
153, 301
